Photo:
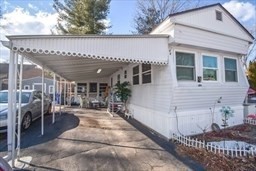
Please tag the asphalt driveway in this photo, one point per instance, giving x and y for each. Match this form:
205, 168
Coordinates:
83, 139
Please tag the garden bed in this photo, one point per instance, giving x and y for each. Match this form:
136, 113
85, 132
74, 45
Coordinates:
212, 161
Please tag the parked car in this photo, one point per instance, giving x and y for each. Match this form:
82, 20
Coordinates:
4, 166
30, 107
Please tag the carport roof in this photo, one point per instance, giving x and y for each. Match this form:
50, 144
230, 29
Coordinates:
78, 58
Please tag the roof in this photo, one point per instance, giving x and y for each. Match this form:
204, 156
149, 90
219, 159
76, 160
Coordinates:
209, 6
78, 57
4, 67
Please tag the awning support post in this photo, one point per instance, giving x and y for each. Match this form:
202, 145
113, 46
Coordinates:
42, 102
19, 112
60, 95
53, 101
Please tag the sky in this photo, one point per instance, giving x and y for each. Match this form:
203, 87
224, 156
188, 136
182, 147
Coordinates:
25, 17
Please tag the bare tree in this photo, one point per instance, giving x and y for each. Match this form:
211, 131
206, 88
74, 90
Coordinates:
151, 12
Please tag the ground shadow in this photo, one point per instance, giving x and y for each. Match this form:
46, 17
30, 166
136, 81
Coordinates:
32, 136
164, 143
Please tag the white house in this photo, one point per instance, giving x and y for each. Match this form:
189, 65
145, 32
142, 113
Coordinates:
178, 72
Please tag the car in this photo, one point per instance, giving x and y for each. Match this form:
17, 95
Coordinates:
30, 107
4, 166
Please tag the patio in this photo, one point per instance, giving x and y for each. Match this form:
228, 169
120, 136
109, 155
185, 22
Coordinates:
84, 139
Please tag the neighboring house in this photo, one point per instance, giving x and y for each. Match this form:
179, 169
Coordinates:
4, 69
178, 73
32, 79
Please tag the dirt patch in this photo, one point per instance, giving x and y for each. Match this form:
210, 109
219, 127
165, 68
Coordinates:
212, 161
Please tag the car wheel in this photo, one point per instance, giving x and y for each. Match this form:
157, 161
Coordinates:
26, 121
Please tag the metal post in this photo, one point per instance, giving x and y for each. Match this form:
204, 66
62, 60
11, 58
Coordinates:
14, 108
65, 93
10, 105
60, 95
19, 112
42, 102
53, 101
70, 89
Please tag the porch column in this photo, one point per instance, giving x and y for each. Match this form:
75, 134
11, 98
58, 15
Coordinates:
53, 98
11, 94
42, 102
70, 89
19, 112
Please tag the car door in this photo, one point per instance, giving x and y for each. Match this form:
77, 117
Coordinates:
36, 103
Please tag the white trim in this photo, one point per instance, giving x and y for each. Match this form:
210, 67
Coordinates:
224, 70
217, 69
195, 67
26, 87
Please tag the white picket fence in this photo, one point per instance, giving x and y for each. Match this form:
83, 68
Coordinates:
195, 143
250, 121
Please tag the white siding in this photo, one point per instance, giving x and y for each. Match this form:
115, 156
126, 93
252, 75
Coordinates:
206, 19
204, 39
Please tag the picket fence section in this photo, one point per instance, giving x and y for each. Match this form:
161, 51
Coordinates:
195, 143
250, 121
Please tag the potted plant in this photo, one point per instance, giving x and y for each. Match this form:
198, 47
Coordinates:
123, 91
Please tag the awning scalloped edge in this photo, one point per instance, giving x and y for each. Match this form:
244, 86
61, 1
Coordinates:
63, 53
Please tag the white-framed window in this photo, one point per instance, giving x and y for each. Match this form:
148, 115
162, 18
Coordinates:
26, 87
146, 73
185, 66
136, 75
38, 86
230, 65
118, 78
125, 74
51, 89
210, 68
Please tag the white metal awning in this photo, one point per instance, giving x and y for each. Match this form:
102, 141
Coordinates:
77, 58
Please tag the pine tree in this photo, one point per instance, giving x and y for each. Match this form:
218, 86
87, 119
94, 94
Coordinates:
82, 16
251, 72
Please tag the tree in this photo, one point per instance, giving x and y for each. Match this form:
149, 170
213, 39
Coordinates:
82, 16
152, 12
251, 72
123, 91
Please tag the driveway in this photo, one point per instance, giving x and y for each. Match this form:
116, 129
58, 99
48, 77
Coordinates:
83, 139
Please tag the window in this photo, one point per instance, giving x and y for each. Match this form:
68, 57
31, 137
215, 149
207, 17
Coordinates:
146, 73
111, 82
230, 70
210, 68
26, 87
135, 75
93, 87
185, 66
219, 15
125, 73
50, 89
118, 78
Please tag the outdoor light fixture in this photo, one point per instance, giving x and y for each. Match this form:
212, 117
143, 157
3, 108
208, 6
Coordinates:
99, 70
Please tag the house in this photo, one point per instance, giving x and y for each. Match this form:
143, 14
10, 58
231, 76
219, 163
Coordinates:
179, 73
4, 69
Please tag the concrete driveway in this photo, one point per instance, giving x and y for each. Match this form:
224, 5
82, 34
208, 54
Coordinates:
83, 139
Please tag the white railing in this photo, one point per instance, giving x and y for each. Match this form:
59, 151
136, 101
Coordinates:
195, 143
250, 121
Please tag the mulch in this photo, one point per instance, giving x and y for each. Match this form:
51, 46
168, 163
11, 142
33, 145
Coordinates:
212, 161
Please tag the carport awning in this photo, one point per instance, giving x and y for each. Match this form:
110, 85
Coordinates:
78, 57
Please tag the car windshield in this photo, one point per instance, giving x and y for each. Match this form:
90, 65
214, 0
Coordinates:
24, 97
